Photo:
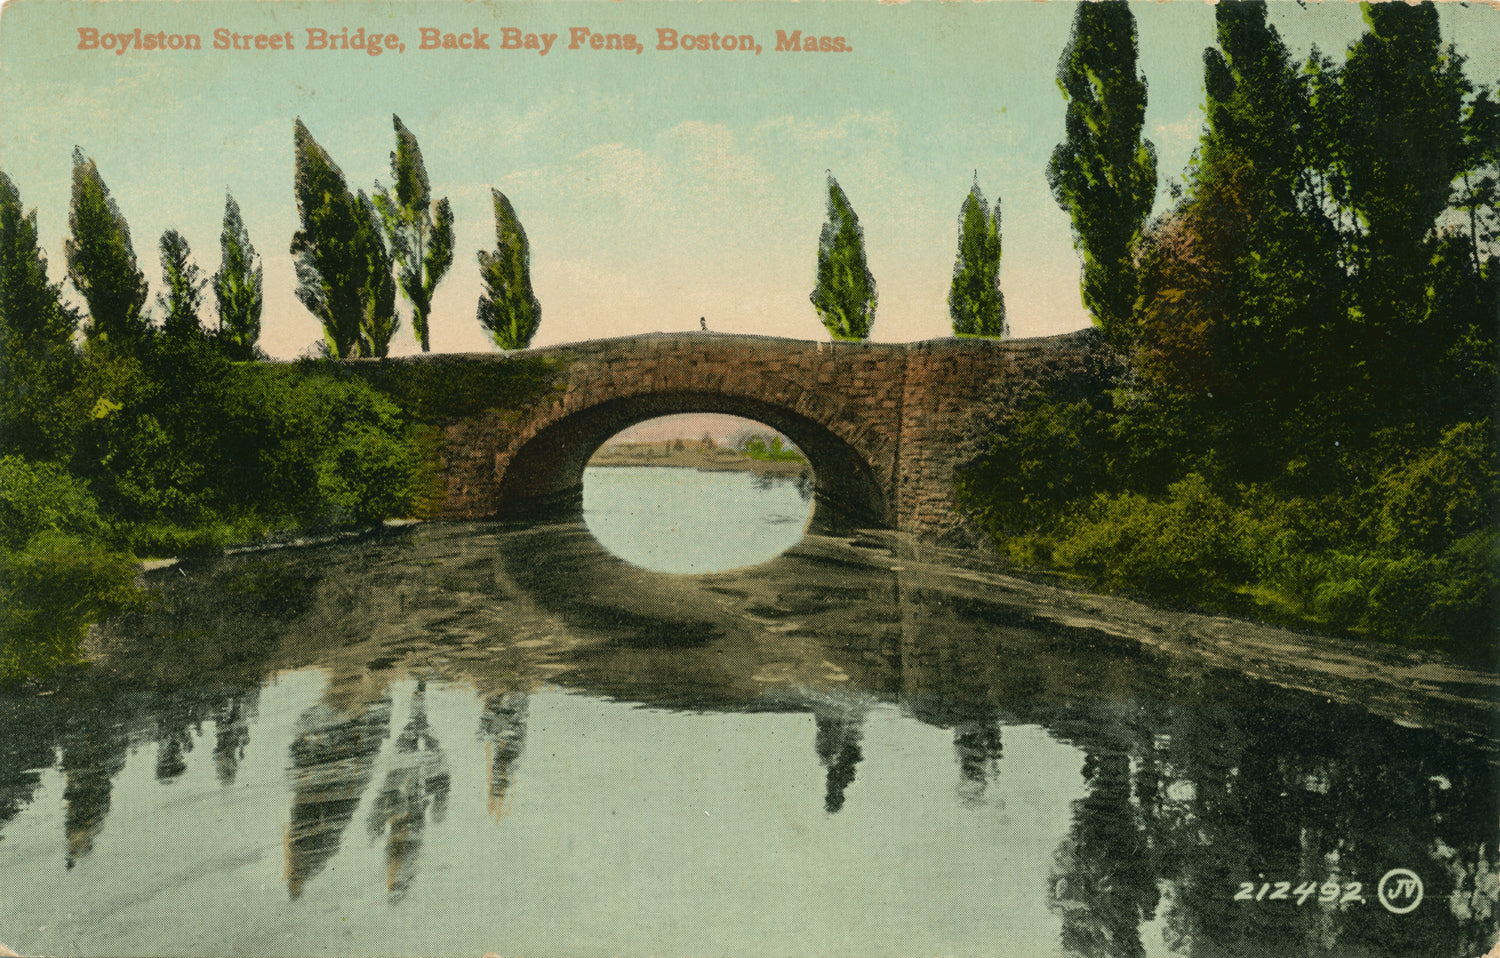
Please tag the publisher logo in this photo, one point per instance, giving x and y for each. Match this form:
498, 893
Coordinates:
1400, 891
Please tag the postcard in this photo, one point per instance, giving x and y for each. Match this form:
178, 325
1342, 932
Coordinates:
738, 479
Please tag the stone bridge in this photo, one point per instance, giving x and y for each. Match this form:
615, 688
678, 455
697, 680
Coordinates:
883, 425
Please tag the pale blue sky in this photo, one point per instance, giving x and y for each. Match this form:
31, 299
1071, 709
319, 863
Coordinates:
655, 188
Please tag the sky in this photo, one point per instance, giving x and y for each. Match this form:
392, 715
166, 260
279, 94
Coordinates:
655, 187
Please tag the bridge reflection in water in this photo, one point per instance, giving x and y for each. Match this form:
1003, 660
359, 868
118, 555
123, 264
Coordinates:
431, 681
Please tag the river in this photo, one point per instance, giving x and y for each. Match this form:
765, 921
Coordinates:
459, 739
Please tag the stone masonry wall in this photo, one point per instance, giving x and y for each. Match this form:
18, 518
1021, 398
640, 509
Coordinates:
903, 415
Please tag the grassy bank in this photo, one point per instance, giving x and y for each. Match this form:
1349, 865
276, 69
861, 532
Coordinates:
692, 454
1393, 539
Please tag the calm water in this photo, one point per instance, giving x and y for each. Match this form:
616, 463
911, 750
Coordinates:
692, 521
459, 739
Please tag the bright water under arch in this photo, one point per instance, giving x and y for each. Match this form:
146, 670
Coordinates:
697, 493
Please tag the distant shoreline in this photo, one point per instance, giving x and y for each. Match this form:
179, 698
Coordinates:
695, 456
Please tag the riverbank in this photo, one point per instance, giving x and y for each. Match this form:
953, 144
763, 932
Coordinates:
1411, 686
679, 455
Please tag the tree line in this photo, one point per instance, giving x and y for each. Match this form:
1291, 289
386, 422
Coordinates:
1296, 415
354, 251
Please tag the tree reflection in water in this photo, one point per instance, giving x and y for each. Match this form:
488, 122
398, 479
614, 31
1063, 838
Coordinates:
1190, 782
837, 742
94, 749
502, 727
416, 785
333, 755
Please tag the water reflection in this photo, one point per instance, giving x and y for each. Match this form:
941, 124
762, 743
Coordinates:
695, 521
502, 727
1172, 784
93, 753
840, 724
331, 764
416, 786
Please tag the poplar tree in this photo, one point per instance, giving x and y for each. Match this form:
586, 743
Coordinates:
238, 286
101, 260
31, 308
37, 361
420, 231
1401, 99
1104, 174
343, 268
975, 302
508, 309
845, 292
183, 283
379, 322
1400, 126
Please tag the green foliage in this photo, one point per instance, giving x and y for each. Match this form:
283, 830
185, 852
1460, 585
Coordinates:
29, 304
56, 575
379, 321
508, 309
51, 590
845, 292
101, 260
183, 288
291, 428
238, 287
1188, 546
37, 497
1238, 279
756, 447
1103, 174
975, 302
440, 388
38, 367
368, 473
1051, 459
343, 267
1477, 191
420, 231
1443, 494
1397, 123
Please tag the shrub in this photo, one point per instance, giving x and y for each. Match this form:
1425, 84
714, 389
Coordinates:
1187, 546
369, 474
41, 496
1047, 463
1441, 495
50, 591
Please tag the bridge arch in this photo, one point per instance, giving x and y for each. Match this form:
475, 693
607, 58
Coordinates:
543, 471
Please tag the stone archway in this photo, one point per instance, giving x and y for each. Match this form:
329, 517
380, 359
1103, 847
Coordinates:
543, 475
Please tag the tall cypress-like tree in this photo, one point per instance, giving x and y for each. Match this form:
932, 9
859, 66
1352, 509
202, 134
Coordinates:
101, 260
845, 292
420, 231
37, 361
30, 306
379, 322
238, 286
183, 293
975, 302
508, 309
1399, 121
1104, 174
343, 269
